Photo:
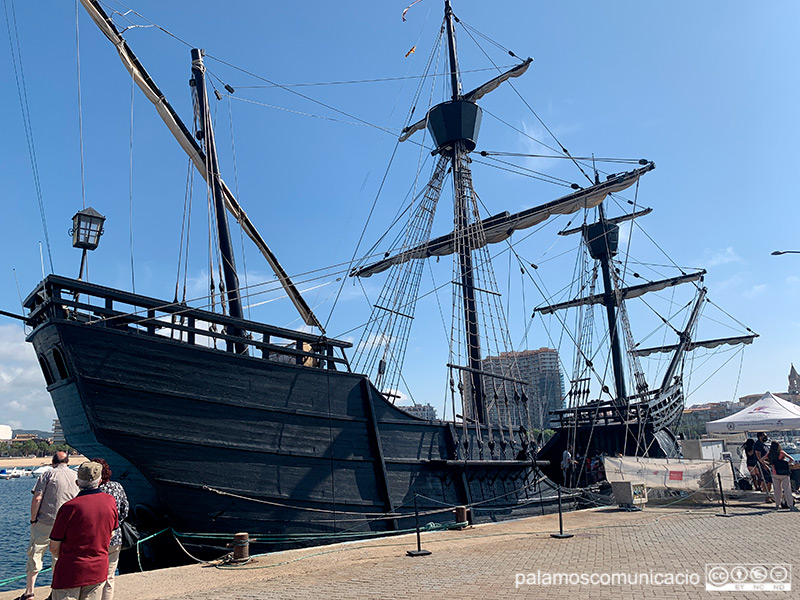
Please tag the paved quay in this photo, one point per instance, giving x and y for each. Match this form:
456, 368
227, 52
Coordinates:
498, 561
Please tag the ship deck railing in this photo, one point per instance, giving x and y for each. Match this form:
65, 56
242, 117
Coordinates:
601, 413
61, 298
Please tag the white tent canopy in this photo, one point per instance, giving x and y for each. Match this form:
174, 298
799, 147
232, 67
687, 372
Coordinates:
770, 413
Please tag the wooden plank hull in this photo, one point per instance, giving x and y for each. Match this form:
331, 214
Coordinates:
217, 442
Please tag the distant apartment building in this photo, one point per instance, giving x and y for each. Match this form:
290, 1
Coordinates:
28, 437
544, 387
58, 433
700, 414
423, 411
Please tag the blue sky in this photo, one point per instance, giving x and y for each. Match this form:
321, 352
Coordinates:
706, 90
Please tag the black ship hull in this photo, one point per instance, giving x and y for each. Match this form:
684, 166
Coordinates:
603, 439
216, 442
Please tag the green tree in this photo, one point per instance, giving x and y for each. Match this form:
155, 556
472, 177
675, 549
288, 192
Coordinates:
42, 448
29, 447
546, 434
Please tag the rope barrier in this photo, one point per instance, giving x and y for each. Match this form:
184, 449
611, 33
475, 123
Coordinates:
346, 536
18, 577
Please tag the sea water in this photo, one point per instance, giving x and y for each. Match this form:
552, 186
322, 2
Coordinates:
15, 515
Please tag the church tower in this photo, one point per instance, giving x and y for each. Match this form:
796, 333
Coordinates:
794, 381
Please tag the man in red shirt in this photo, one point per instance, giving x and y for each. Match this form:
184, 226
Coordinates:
80, 539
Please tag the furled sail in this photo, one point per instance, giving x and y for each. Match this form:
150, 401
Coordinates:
190, 146
626, 293
476, 94
501, 226
613, 220
730, 341
491, 85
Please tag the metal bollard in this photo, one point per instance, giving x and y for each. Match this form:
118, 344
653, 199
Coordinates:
419, 551
560, 535
724, 512
461, 515
241, 547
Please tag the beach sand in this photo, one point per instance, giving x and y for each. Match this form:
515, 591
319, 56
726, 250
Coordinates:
10, 463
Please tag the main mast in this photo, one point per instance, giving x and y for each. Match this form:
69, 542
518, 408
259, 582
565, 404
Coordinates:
459, 149
223, 231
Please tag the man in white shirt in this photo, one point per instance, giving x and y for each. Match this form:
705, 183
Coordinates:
52, 489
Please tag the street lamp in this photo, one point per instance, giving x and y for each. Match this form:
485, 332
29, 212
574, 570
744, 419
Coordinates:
779, 252
87, 227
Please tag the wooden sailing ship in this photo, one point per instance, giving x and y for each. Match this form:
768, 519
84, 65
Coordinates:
216, 423
266, 429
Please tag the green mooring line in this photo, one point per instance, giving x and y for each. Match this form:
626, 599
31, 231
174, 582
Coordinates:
18, 577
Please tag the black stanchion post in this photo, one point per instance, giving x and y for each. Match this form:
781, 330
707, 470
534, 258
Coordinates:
560, 535
724, 512
419, 551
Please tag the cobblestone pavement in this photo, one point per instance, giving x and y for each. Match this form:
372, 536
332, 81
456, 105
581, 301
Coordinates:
497, 560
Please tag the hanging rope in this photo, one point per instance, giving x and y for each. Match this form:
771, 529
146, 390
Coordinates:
22, 94
130, 188
236, 187
80, 106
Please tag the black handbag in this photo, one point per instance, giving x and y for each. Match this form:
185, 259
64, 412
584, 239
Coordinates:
782, 467
130, 535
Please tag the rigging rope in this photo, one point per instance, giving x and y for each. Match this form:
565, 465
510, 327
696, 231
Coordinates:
236, 187
22, 94
130, 189
80, 108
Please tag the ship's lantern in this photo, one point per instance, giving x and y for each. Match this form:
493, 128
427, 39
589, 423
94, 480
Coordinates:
87, 227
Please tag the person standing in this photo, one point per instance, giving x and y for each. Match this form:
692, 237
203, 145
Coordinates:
752, 464
780, 474
116, 491
566, 467
760, 449
80, 539
52, 489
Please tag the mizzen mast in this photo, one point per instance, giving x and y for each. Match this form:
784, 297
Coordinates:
602, 238
187, 142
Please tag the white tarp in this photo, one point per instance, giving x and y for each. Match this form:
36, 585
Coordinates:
770, 413
669, 473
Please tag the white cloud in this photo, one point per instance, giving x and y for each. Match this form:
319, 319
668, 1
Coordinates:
713, 258
536, 131
374, 340
735, 282
24, 401
755, 290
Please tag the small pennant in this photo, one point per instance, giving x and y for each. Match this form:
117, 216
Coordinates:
409, 6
